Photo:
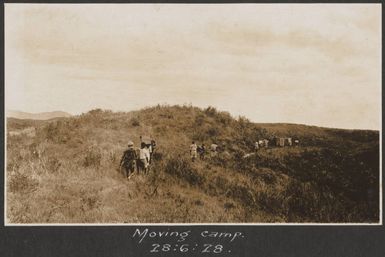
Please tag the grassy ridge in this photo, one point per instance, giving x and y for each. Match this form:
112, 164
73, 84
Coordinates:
67, 170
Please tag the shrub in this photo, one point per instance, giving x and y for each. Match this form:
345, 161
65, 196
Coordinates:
157, 156
21, 183
112, 156
199, 136
225, 120
199, 119
221, 159
212, 132
228, 205
211, 111
304, 200
97, 111
243, 194
167, 115
182, 168
135, 122
272, 201
92, 158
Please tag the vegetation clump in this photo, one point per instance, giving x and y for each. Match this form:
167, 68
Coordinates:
68, 171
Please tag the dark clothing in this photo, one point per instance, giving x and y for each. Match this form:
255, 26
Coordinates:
128, 161
130, 168
128, 156
202, 152
152, 146
141, 167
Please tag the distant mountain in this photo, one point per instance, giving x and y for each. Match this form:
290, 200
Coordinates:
37, 116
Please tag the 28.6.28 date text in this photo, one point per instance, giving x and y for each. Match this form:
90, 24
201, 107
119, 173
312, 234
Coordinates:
205, 248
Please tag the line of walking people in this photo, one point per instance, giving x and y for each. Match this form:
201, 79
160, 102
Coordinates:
201, 150
137, 159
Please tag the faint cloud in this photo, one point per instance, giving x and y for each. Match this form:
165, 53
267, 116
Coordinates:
246, 41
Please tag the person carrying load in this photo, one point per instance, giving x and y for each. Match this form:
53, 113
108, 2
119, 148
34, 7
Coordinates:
153, 148
150, 143
193, 151
256, 146
144, 158
213, 149
202, 151
128, 161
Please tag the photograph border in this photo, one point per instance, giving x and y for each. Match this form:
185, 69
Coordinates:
181, 224
348, 240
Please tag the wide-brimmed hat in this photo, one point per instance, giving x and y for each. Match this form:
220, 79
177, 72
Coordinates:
130, 143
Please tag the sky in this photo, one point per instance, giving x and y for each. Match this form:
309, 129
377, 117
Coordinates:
315, 64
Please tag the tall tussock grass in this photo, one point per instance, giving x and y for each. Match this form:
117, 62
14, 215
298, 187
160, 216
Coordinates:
182, 168
68, 170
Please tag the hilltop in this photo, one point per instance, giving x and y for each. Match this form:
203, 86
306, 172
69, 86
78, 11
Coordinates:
66, 170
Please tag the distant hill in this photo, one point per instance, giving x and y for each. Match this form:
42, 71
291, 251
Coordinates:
37, 116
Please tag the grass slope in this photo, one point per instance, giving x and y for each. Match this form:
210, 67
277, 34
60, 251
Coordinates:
66, 170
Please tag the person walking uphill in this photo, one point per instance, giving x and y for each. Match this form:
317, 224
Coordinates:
128, 161
144, 156
202, 151
256, 146
193, 151
153, 148
214, 150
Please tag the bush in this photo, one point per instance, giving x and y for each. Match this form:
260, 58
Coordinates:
221, 160
157, 156
135, 122
243, 194
213, 132
182, 168
95, 112
21, 183
92, 158
199, 136
199, 119
210, 111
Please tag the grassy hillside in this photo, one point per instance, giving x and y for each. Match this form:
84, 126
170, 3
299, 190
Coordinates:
66, 171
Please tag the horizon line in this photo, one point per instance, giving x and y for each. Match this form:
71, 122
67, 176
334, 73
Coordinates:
186, 105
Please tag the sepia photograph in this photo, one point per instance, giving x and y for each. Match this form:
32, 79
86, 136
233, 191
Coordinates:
192, 114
